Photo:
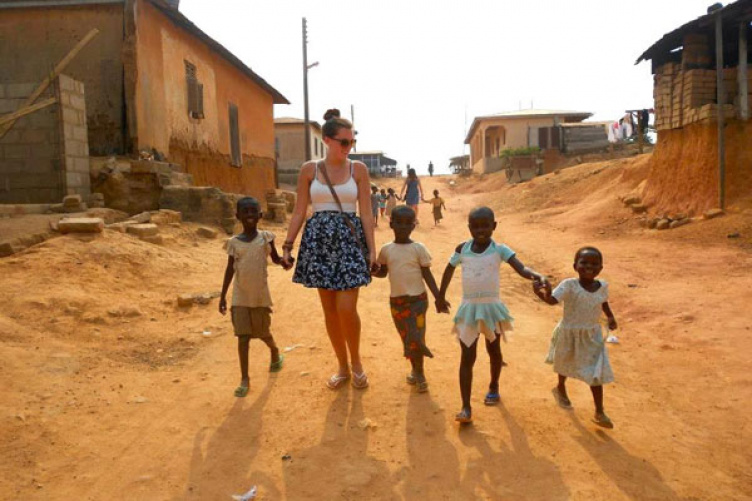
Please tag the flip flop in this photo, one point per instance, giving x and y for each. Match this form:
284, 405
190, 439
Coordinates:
360, 381
241, 391
601, 419
277, 366
337, 380
464, 416
492, 398
563, 401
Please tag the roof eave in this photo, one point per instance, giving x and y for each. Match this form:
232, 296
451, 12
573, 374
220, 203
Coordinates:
178, 18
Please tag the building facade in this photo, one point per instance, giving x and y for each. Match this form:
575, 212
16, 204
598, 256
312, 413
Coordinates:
153, 81
289, 137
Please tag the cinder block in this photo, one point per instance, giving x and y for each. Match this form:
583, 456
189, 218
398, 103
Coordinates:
44, 150
70, 116
143, 230
81, 225
35, 136
39, 166
66, 83
82, 165
72, 180
80, 133
78, 102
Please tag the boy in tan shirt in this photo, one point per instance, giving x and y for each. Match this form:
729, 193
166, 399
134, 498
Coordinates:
251, 301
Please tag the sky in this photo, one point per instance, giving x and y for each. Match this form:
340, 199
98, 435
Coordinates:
418, 72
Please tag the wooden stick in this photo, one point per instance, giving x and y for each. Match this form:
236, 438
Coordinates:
53, 75
12, 117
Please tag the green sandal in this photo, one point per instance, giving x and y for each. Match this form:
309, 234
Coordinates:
241, 391
277, 366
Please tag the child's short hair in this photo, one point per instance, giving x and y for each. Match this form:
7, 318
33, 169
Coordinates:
436, 192
583, 250
374, 188
481, 212
247, 201
403, 210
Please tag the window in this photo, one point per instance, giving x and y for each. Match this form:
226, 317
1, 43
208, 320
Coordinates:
235, 157
195, 92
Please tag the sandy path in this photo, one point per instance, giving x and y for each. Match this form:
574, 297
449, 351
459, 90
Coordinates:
77, 430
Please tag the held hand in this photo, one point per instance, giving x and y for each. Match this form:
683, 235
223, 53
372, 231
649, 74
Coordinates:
612, 325
287, 260
223, 306
442, 305
373, 264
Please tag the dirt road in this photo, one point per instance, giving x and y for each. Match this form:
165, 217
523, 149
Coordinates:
112, 392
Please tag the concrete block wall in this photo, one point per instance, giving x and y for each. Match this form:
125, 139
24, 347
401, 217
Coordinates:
31, 168
75, 142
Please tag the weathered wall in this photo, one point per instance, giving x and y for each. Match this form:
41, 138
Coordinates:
201, 146
684, 171
34, 40
31, 170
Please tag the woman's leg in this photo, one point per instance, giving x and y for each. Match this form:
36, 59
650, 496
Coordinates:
333, 329
349, 324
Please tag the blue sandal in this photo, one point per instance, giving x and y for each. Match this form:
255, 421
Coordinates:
277, 366
492, 398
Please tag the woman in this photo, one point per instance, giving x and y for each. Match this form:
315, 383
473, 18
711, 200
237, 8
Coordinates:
337, 250
414, 191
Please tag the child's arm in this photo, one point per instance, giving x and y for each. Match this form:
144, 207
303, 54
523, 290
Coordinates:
277, 259
447, 277
524, 271
611, 320
442, 306
543, 291
229, 272
382, 271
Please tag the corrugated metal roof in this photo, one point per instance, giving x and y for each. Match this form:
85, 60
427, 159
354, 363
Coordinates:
19, 4
732, 14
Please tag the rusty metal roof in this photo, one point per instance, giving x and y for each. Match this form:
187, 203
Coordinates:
732, 15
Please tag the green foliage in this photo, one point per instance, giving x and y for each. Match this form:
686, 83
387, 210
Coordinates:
519, 152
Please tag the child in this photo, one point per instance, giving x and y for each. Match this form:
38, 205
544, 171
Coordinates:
408, 264
481, 310
251, 301
382, 202
375, 201
391, 202
437, 202
577, 348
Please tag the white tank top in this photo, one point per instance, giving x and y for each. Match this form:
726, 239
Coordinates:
321, 196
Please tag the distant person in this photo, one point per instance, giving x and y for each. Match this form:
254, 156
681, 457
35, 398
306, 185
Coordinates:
382, 203
414, 192
337, 251
577, 346
408, 264
481, 310
247, 255
437, 203
391, 202
430, 169
375, 202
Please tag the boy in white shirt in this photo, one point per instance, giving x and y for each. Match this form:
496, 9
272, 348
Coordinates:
408, 265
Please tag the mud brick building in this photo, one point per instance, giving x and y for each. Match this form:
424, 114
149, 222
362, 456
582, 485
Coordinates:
152, 81
685, 161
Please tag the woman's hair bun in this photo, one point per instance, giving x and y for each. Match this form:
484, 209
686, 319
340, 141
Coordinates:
331, 113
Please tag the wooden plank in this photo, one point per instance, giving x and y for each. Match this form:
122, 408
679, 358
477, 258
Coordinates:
52, 76
12, 117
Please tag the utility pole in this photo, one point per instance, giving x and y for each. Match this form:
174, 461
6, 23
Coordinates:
306, 125
355, 132
720, 100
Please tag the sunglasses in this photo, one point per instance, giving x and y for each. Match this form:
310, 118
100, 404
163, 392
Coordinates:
345, 143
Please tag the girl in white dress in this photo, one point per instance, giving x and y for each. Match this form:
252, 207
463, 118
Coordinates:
481, 310
577, 346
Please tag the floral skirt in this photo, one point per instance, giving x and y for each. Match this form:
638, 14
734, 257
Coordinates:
409, 315
330, 257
